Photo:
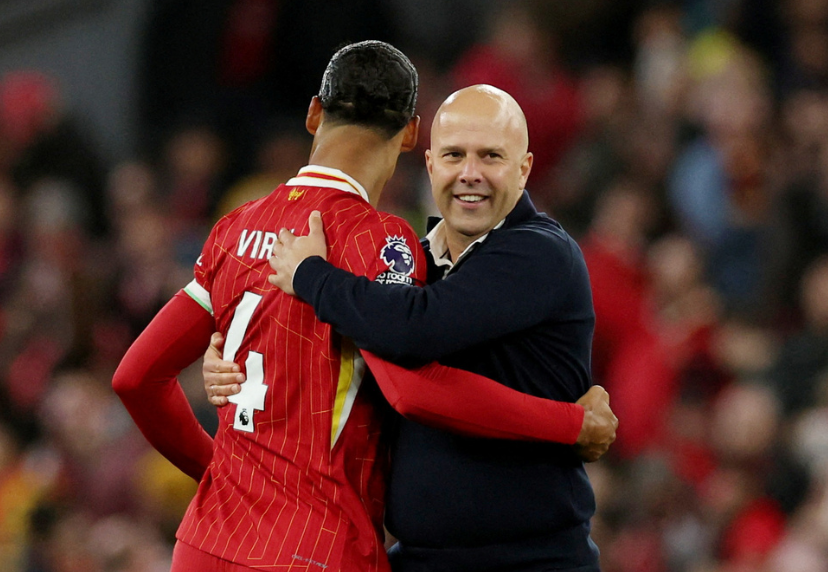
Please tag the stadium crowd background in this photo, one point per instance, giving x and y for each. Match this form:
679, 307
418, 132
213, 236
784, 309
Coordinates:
684, 144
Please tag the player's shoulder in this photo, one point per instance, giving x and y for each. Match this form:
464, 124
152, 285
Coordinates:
361, 218
245, 210
387, 240
388, 220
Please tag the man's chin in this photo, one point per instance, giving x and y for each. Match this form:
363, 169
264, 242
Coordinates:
472, 232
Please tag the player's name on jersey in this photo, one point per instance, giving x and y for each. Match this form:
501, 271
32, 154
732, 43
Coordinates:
256, 244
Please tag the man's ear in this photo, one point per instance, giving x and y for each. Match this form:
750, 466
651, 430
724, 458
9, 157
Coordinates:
412, 131
525, 169
429, 162
314, 116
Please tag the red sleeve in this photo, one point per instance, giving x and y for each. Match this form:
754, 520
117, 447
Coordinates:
470, 404
146, 383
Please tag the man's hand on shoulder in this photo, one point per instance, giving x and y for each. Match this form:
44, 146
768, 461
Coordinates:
290, 250
600, 423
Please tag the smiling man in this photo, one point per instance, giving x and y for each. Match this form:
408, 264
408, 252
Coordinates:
477, 180
508, 298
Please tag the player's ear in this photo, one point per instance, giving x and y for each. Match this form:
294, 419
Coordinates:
412, 131
314, 116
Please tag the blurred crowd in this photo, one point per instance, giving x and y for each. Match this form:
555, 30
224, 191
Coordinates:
683, 143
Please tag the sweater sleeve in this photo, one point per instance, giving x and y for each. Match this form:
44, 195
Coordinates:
470, 404
146, 383
513, 284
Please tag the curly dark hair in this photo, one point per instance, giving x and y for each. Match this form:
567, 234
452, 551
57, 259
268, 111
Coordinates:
372, 84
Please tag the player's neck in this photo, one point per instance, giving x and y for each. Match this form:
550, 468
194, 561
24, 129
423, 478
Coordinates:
362, 154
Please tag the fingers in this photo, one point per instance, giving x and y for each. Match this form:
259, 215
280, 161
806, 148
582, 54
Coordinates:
283, 277
285, 237
228, 374
221, 377
220, 386
590, 454
603, 393
216, 394
595, 397
217, 341
213, 364
230, 387
600, 423
316, 228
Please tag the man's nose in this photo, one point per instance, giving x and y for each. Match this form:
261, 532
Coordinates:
470, 173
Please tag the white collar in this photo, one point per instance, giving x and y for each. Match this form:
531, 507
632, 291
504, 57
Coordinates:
438, 246
318, 176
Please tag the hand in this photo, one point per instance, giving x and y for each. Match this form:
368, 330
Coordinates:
598, 430
221, 378
290, 250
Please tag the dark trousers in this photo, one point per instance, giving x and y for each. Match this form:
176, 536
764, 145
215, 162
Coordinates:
571, 550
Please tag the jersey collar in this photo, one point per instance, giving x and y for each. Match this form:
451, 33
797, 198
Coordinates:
318, 176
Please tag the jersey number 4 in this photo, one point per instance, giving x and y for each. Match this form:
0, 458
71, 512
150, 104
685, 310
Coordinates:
251, 398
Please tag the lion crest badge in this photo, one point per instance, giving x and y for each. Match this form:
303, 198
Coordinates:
397, 255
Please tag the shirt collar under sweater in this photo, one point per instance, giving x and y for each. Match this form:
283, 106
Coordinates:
437, 246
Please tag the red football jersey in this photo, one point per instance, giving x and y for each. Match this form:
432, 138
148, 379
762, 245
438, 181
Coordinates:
297, 476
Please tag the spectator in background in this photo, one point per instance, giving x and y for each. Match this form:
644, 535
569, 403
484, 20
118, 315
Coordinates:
235, 64
799, 231
801, 57
614, 250
799, 374
49, 308
659, 65
718, 187
599, 156
652, 361
11, 247
433, 34
39, 140
521, 57
281, 153
735, 497
192, 172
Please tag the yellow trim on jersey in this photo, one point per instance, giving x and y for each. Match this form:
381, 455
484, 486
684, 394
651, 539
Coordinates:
351, 370
198, 293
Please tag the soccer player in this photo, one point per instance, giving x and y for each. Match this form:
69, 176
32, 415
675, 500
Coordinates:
509, 298
295, 478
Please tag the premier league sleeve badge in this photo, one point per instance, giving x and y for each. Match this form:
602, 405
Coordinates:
400, 261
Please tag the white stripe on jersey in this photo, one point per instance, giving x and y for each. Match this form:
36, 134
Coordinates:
198, 293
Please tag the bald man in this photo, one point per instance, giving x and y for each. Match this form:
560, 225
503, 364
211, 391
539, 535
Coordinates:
508, 298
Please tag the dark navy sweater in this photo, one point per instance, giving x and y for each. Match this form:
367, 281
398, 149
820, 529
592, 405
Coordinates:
517, 309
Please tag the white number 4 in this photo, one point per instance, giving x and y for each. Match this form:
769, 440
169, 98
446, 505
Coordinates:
252, 395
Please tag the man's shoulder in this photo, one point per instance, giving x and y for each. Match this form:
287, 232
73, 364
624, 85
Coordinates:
541, 233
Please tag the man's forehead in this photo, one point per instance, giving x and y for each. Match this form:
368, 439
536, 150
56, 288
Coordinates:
461, 128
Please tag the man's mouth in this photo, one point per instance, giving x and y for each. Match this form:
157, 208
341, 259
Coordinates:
470, 198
